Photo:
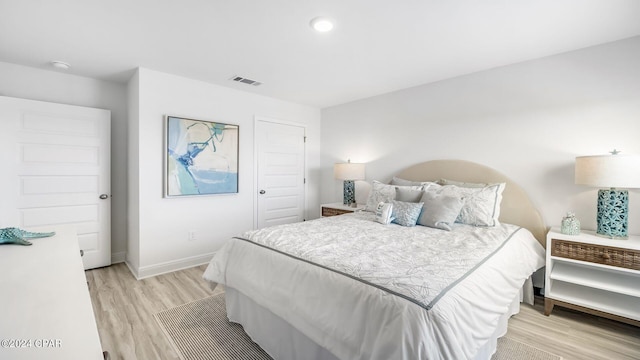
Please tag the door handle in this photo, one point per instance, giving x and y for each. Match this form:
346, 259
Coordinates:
262, 192
104, 196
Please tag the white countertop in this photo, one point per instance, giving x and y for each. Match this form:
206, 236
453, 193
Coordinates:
45, 307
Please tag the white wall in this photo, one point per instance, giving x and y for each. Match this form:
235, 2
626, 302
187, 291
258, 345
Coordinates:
38, 84
133, 180
528, 121
163, 224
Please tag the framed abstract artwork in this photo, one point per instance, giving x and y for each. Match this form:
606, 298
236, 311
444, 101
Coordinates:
201, 157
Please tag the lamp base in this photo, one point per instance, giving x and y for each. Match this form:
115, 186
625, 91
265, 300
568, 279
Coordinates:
349, 192
613, 213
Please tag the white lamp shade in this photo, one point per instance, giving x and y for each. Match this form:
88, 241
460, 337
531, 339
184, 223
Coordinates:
608, 171
348, 171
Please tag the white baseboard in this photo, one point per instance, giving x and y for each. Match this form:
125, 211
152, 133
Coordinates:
134, 272
169, 266
118, 257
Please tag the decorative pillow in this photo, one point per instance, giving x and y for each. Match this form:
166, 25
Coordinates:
481, 205
462, 184
402, 182
439, 211
383, 213
406, 213
408, 195
383, 193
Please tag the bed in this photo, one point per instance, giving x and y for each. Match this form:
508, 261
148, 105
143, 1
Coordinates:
347, 287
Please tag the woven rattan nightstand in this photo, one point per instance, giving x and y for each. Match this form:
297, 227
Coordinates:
338, 209
593, 274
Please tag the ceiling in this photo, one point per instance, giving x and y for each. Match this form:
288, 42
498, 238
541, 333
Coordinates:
377, 46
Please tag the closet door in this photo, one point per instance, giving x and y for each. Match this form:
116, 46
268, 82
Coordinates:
280, 173
55, 169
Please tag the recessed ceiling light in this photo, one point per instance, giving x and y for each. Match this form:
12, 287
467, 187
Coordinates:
60, 65
322, 24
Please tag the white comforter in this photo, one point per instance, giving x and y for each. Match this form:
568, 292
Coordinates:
367, 291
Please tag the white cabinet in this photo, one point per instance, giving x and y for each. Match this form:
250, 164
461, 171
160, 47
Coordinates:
594, 274
45, 307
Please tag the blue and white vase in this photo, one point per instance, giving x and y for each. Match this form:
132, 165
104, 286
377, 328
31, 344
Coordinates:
570, 225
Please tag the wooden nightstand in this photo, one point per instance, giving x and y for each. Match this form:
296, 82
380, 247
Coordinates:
334, 209
595, 275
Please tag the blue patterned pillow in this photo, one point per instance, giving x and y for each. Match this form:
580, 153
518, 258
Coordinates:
406, 213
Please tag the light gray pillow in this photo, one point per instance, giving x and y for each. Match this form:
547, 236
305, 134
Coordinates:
405, 213
408, 195
383, 193
439, 211
402, 182
396, 181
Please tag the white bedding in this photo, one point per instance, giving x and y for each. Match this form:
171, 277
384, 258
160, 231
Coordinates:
392, 312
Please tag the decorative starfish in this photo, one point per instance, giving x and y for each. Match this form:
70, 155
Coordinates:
18, 236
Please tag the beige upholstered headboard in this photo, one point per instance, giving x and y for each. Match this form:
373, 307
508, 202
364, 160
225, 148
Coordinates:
516, 207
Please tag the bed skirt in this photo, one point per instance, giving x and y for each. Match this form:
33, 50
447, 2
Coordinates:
283, 342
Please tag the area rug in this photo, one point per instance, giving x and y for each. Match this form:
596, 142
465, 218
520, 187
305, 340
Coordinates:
509, 349
200, 331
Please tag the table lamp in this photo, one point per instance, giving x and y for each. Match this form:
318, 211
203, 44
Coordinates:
349, 172
614, 172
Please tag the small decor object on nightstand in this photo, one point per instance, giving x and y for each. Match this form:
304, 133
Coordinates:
570, 224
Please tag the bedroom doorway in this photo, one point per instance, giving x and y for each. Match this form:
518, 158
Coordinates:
56, 171
280, 169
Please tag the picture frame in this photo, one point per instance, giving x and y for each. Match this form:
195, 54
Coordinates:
201, 157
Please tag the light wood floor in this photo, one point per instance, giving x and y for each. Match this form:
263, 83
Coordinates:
124, 310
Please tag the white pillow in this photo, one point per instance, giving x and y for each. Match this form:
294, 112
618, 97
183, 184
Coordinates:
481, 205
462, 183
383, 213
384, 193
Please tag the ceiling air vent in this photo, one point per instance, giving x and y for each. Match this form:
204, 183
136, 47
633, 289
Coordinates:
246, 81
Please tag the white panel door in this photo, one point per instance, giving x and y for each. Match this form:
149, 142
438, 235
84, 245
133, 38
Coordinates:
280, 154
55, 162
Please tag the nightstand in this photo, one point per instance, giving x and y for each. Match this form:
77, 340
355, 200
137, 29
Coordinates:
334, 209
593, 274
